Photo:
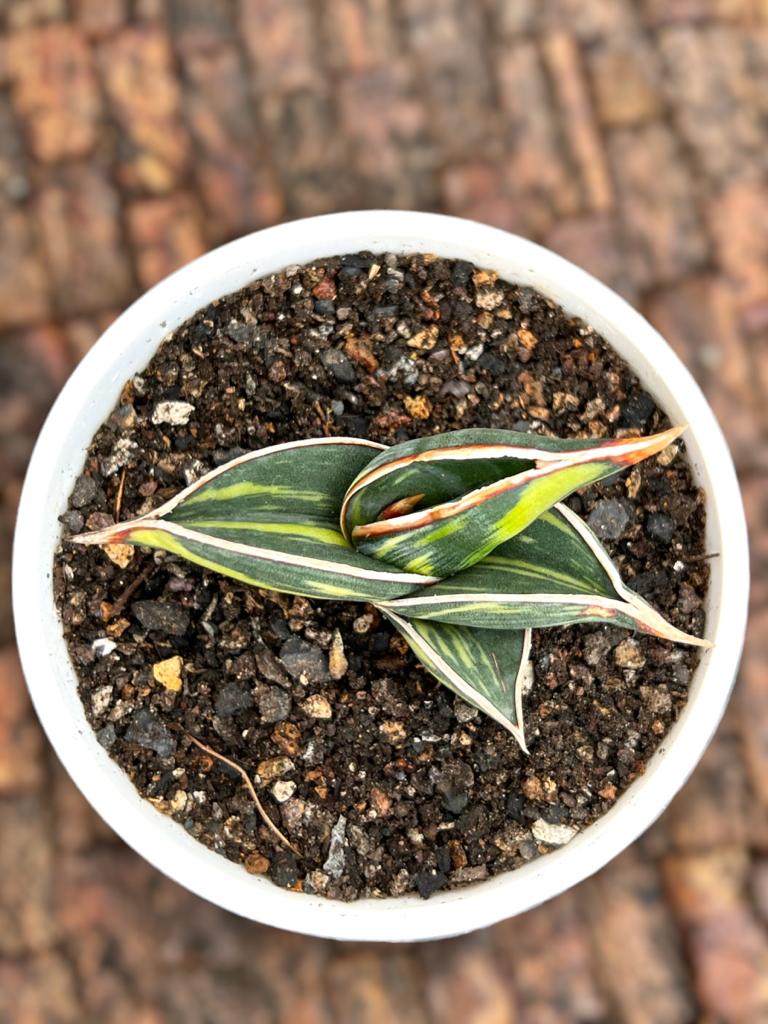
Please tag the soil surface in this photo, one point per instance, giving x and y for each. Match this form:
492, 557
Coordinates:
381, 779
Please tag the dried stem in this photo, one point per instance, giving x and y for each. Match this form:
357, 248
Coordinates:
119, 496
251, 789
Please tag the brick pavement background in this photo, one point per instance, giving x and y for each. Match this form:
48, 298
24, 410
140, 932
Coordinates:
630, 135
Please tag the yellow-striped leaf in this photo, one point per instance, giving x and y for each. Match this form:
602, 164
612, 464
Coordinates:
485, 667
439, 505
271, 519
554, 573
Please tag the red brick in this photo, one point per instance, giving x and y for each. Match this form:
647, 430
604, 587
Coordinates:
82, 332
281, 39
464, 984
22, 14
713, 94
509, 20
385, 124
364, 988
666, 12
54, 91
752, 698
358, 35
41, 988
166, 233
564, 62
625, 77
78, 218
738, 221
198, 26
597, 20
548, 954
699, 319
754, 489
594, 243
232, 168
727, 947
27, 922
445, 39
665, 239
639, 960
20, 740
536, 171
23, 285
99, 18
712, 808
478, 190
145, 100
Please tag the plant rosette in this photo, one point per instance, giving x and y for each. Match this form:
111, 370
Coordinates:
386, 508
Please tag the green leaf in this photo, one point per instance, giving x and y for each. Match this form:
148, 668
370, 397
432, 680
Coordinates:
270, 519
485, 667
554, 573
471, 491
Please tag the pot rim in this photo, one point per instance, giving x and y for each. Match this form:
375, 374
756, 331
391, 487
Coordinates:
88, 397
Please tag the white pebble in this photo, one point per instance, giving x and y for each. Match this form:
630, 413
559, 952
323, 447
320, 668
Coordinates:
103, 646
552, 835
176, 414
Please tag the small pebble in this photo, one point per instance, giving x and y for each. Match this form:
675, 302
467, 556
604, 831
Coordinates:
148, 731
230, 699
164, 618
168, 673
608, 519
337, 659
337, 364
84, 492
317, 706
256, 864
101, 699
660, 526
637, 410
552, 835
274, 768
103, 646
628, 655
120, 554
303, 659
175, 414
283, 790
334, 862
429, 882
274, 704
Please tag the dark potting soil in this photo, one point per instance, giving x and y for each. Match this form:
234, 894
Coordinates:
382, 780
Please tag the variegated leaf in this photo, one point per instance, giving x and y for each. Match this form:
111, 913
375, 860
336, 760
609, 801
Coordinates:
439, 505
554, 573
271, 519
485, 667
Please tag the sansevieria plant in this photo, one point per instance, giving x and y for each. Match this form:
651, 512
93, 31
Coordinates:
460, 539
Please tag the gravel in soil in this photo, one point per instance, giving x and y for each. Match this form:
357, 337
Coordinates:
384, 781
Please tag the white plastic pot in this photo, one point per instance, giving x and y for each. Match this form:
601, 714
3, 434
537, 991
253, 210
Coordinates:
89, 396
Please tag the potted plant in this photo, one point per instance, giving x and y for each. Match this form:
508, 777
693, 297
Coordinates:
125, 350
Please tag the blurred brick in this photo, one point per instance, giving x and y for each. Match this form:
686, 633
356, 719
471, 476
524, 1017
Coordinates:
564, 62
20, 739
40, 989
625, 78
596, 20
238, 185
508, 20
197, 26
445, 38
752, 703
281, 40
367, 988
358, 35
465, 985
640, 966
14, 178
478, 190
308, 152
712, 808
166, 233
738, 221
82, 332
595, 244
21, 14
666, 12
23, 285
99, 18
145, 100
386, 125
77, 826
665, 239
727, 947
78, 216
710, 87
27, 921
548, 953
536, 171
699, 319
54, 91
754, 489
